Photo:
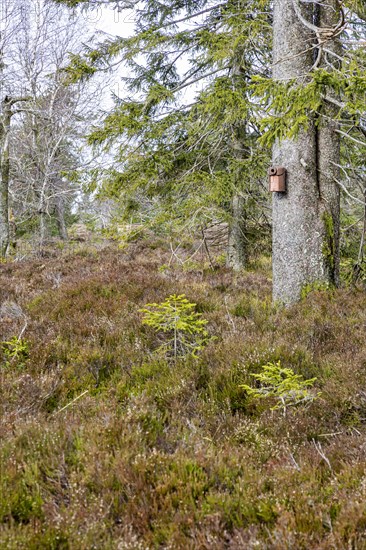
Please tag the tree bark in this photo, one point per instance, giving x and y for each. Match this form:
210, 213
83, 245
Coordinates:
237, 245
306, 217
4, 175
328, 150
60, 218
236, 250
42, 228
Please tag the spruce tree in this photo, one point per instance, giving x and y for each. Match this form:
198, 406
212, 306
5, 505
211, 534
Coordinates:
194, 161
188, 162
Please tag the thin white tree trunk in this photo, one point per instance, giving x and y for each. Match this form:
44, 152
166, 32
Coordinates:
4, 175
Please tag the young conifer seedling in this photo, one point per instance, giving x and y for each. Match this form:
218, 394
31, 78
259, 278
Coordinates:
281, 385
182, 328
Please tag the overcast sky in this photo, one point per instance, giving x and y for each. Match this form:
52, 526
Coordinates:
111, 21
122, 24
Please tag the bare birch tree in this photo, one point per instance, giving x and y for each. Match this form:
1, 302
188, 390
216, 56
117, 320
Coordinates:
44, 144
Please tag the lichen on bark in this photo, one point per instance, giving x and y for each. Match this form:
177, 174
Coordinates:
306, 218
329, 241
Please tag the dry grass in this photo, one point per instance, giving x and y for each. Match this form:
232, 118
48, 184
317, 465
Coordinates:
175, 456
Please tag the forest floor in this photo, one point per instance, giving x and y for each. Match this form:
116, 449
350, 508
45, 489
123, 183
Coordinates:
107, 444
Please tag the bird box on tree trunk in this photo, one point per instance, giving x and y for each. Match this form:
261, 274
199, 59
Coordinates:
277, 179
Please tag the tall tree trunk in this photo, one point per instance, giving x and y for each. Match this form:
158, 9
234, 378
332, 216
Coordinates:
236, 250
60, 218
236, 257
42, 228
4, 175
305, 219
328, 145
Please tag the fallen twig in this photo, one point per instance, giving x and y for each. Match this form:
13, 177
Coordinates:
71, 402
320, 451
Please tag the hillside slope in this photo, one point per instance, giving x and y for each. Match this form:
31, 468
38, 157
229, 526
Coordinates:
107, 444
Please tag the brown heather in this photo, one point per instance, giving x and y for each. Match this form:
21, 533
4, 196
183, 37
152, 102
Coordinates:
168, 456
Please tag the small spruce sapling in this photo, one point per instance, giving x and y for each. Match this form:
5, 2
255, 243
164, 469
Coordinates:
282, 385
16, 352
183, 328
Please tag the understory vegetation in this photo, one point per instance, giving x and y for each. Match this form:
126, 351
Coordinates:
109, 443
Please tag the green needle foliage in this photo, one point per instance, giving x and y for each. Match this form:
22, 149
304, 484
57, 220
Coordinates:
282, 385
16, 352
183, 328
185, 134
201, 111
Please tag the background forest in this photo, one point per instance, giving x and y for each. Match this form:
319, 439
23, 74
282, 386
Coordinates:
155, 392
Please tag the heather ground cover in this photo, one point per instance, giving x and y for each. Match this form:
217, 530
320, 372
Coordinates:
107, 443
